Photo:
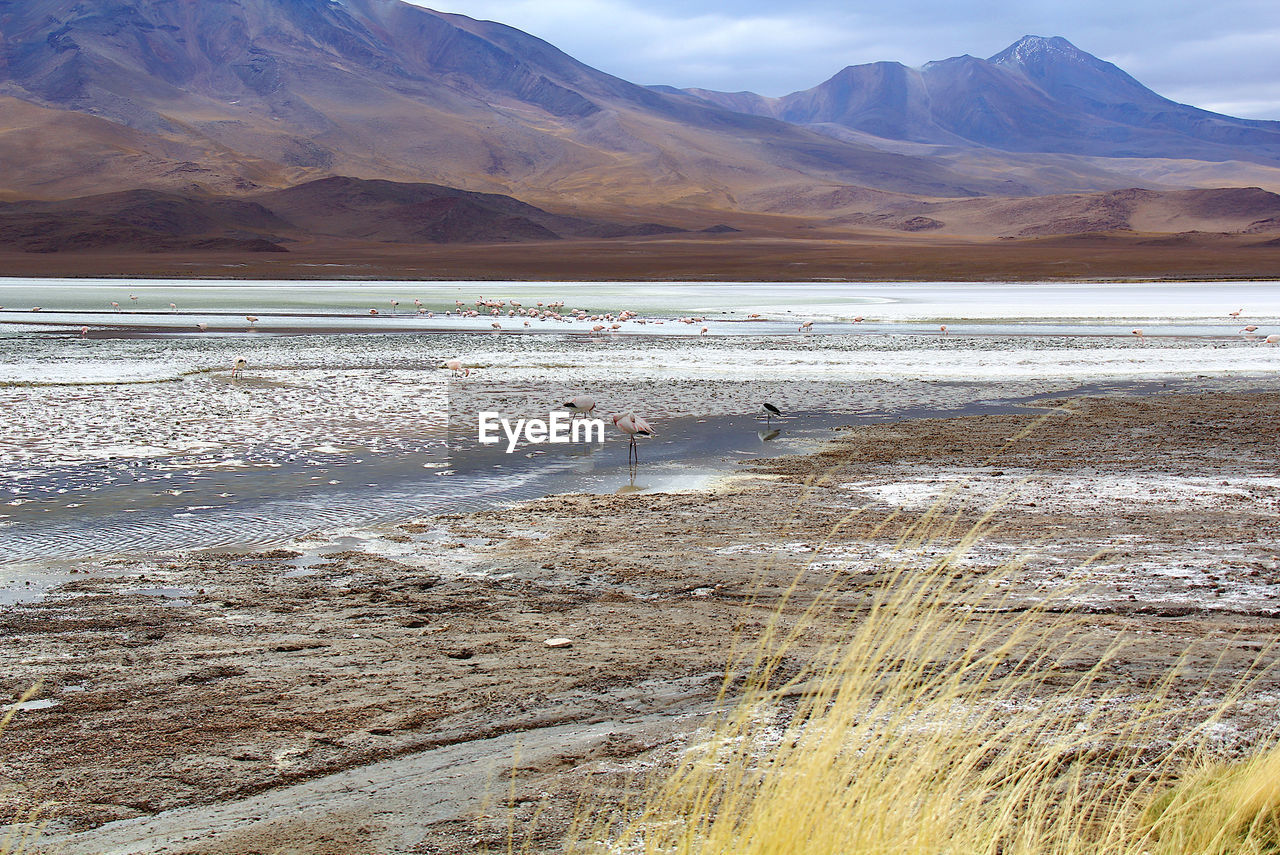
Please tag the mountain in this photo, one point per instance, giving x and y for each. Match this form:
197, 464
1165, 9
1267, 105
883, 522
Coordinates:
236, 95
465, 121
1040, 95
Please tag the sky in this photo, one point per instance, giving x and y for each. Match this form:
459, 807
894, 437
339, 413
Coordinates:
1222, 55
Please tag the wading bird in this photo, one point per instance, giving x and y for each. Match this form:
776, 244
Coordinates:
84, 332
770, 411
173, 307
240, 366
202, 326
633, 426
454, 365
1139, 333
580, 405
252, 319
1273, 339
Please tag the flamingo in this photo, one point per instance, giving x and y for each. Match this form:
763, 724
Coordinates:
1139, 333
496, 326
454, 365
1248, 331
173, 307
581, 405
770, 411
633, 426
133, 298
240, 366
252, 319
943, 329
115, 305
1273, 339
395, 306
1236, 313
704, 331
84, 332
373, 311
202, 326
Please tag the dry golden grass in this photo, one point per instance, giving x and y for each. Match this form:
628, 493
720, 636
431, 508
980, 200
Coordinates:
24, 831
939, 721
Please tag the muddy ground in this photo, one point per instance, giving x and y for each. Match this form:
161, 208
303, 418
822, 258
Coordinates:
401, 699
766, 253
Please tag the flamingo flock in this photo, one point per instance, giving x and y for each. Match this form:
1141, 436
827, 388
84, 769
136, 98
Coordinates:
605, 323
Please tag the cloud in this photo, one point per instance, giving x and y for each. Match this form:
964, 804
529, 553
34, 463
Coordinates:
1212, 55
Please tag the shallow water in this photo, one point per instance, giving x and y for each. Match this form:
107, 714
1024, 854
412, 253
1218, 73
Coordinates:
137, 439
1038, 308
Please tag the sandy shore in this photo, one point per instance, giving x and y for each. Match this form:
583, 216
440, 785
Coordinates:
394, 699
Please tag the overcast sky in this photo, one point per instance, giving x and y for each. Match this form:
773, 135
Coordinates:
1222, 55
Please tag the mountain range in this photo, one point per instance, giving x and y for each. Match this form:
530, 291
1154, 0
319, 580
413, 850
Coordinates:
1038, 95
497, 135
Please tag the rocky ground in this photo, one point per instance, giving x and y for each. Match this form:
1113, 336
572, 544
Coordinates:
402, 698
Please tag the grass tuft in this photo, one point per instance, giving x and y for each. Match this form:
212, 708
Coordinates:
946, 714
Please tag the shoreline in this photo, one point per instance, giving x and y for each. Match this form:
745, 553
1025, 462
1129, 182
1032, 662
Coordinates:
759, 258
237, 690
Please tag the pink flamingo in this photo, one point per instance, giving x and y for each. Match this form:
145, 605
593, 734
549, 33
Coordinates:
454, 365
633, 426
1273, 339
1139, 333
943, 329
84, 332
202, 326
115, 305
580, 405
252, 319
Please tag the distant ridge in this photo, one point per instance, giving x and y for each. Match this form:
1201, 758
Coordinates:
346, 208
1037, 95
